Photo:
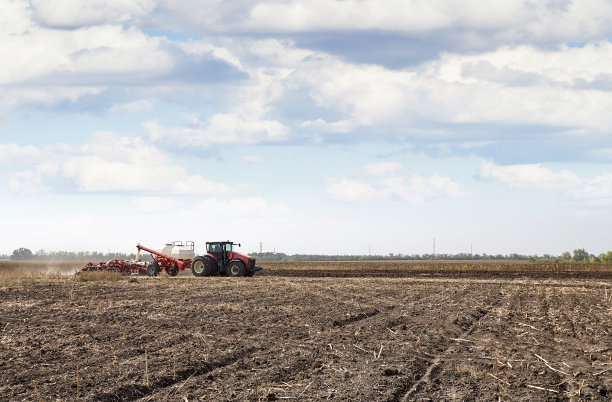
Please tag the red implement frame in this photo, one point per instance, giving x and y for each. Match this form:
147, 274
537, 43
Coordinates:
121, 266
164, 260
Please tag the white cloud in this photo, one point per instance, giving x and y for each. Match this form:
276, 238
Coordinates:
528, 175
75, 13
384, 185
13, 151
382, 169
593, 191
247, 120
565, 87
27, 182
133, 107
201, 48
512, 20
114, 164
45, 63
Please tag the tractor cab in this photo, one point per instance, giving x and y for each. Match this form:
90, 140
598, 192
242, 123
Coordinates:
220, 249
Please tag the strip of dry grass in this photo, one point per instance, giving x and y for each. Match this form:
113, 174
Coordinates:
99, 276
23, 271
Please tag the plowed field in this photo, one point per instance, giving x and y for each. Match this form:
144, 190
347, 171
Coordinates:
310, 334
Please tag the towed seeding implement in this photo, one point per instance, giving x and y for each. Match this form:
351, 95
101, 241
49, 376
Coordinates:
220, 259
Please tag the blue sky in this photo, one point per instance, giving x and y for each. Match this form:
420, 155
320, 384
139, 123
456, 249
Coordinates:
312, 127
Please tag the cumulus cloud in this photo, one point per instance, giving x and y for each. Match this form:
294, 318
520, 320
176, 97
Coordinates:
382, 169
528, 175
12, 151
247, 120
286, 93
64, 50
512, 20
113, 164
593, 191
509, 87
384, 185
75, 13
133, 107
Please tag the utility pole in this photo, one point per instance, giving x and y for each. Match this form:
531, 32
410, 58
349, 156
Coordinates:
434, 246
369, 249
260, 248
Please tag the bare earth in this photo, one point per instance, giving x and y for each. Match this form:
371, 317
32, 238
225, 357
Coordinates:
292, 334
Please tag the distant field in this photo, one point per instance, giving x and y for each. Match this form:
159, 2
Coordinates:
23, 270
433, 265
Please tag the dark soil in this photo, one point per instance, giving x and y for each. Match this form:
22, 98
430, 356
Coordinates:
426, 335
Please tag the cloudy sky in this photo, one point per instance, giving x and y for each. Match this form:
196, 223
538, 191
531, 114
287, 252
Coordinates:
316, 126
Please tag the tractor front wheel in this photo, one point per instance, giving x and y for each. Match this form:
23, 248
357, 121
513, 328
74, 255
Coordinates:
153, 269
236, 268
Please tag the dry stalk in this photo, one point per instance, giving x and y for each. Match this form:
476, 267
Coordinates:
174, 367
601, 372
379, 352
499, 379
185, 382
461, 340
77, 382
36, 392
308, 386
527, 325
549, 366
147, 367
541, 388
360, 348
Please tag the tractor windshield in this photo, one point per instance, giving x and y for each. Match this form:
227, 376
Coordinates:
228, 246
215, 248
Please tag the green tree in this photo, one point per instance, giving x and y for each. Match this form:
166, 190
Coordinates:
594, 260
580, 255
21, 254
607, 258
566, 256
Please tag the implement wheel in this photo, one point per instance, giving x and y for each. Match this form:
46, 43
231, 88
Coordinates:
153, 269
173, 271
203, 266
236, 268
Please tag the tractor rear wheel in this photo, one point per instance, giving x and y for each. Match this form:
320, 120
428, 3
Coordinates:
203, 266
236, 268
153, 269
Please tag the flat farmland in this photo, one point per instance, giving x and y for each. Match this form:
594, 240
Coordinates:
311, 331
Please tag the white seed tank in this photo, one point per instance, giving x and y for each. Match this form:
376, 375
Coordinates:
178, 250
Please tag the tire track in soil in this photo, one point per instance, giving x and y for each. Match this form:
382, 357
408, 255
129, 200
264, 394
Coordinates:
359, 317
408, 390
135, 391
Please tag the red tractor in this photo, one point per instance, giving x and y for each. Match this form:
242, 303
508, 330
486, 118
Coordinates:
223, 260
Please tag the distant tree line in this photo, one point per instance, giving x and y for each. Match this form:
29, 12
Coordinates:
23, 254
579, 255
